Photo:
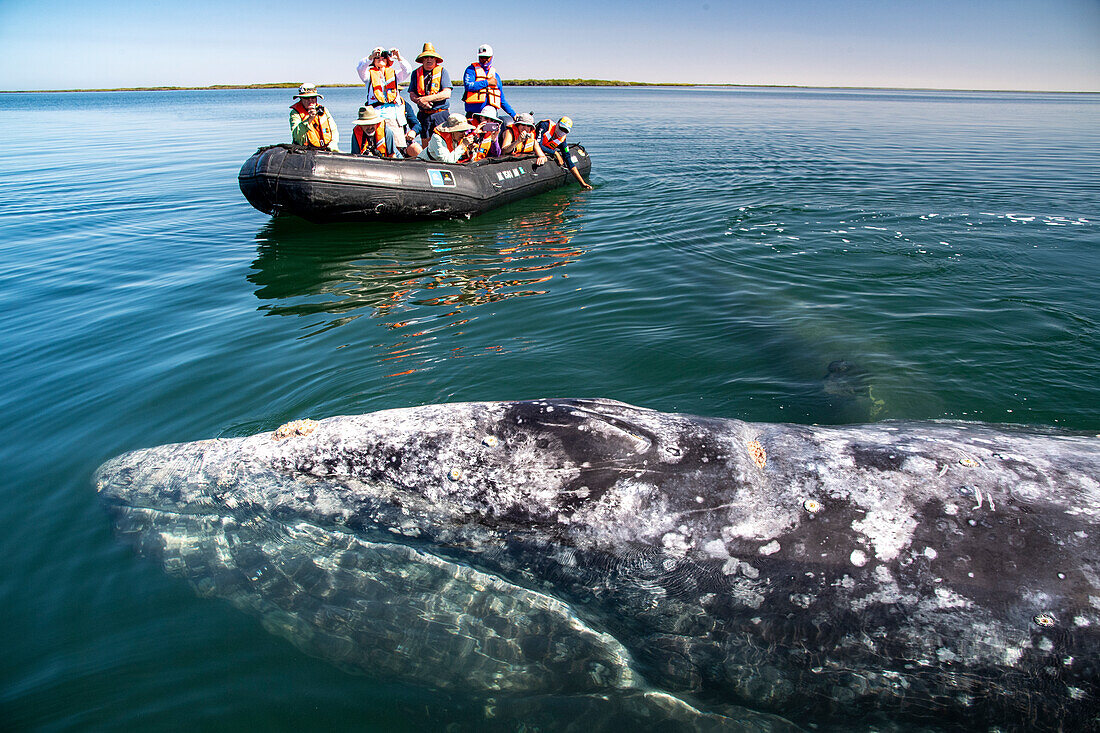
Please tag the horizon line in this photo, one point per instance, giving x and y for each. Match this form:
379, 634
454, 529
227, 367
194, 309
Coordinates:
548, 83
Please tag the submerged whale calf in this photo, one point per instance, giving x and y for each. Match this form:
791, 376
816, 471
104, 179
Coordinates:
896, 574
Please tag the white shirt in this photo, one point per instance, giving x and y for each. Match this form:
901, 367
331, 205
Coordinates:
401, 67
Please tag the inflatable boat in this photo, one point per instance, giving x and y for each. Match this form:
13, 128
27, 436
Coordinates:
321, 186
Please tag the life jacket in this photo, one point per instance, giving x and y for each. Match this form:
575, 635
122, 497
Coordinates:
433, 85
491, 93
451, 145
364, 142
481, 148
383, 85
319, 132
522, 146
553, 137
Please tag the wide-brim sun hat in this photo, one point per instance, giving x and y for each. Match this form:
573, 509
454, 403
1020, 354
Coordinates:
484, 50
455, 123
489, 113
368, 116
525, 118
429, 52
308, 90
375, 52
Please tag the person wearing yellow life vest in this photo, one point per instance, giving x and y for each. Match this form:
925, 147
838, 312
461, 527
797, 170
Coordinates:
483, 85
430, 91
550, 137
519, 137
451, 142
310, 123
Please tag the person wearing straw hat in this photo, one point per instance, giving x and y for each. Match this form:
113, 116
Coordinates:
310, 123
550, 140
451, 142
483, 84
430, 91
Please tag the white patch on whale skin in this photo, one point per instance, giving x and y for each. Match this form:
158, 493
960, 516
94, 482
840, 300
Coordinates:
948, 599
858, 558
676, 544
716, 549
770, 549
890, 531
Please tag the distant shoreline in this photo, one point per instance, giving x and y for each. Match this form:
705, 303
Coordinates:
543, 83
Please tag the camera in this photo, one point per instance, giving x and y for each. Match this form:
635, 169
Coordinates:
385, 54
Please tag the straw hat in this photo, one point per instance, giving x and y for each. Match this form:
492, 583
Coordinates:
308, 90
455, 123
484, 50
368, 116
429, 50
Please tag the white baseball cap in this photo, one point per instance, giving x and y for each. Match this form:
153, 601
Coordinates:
484, 50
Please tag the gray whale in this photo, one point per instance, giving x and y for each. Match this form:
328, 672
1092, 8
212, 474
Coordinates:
894, 575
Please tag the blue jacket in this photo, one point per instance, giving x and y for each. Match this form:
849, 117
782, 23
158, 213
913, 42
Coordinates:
471, 83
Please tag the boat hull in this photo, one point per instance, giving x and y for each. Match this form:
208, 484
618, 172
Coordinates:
322, 186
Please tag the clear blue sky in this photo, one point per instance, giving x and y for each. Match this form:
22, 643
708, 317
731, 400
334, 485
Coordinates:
960, 44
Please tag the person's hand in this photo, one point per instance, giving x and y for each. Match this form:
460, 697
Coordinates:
409, 136
395, 53
540, 159
586, 187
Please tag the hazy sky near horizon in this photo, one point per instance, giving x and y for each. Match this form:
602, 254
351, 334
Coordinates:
957, 44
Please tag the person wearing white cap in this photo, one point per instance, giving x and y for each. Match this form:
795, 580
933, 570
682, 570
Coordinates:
483, 85
451, 142
310, 123
486, 129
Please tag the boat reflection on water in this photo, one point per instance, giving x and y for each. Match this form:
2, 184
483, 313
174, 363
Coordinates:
416, 277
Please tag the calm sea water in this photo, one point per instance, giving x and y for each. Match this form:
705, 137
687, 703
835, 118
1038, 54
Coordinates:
804, 256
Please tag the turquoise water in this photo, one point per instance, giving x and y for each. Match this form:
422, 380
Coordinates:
804, 256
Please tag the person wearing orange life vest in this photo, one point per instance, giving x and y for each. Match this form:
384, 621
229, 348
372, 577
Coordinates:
550, 138
373, 136
483, 85
519, 137
450, 142
486, 131
430, 91
310, 123
382, 77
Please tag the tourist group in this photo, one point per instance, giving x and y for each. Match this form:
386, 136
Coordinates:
390, 127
